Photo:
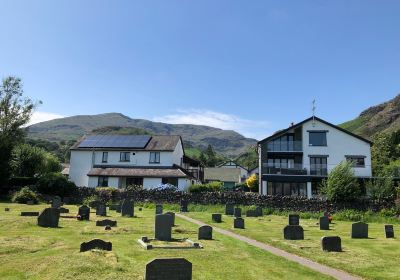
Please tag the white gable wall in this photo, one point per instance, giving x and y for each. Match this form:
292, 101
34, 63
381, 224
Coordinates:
80, 165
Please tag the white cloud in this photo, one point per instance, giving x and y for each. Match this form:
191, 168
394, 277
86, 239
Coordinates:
249, 128
38, 117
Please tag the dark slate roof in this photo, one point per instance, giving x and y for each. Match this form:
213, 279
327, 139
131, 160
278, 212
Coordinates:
139, 172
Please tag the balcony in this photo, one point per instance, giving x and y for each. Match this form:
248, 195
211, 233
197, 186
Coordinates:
297, 169
285, 146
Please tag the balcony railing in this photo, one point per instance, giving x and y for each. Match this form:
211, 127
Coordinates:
298, 169
285, 146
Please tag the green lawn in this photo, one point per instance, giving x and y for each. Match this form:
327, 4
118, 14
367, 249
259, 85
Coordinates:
373, 258
31, 252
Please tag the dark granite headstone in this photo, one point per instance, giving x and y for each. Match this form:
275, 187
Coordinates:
389, 231
216, 217
106, 222
64, 210
159, 209
331, 243
84, 213
184, 206
323, 223
359, 230
56, 202
238, 223
259, 211
29, 214
237, 212
294, 220
101, 209
96, 244
205, 232
127, 208
251, 213
169, 269
229, 209
293, 232
163, 226
49, 217
172, 214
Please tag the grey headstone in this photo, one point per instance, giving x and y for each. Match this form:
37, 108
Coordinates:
359, 230
184, 206
169, 269
172, 214
259, 211
96, 244
229, 209
331, 243
106, 222
101, 209
28, 214
163, 227
205, 232
49, 217
64, 210
56, 202
216, 217
237, 212
293, 232
389, 231
294, 220
127, 208
251, 213
159, 209
238, 223
84, 213
323, 223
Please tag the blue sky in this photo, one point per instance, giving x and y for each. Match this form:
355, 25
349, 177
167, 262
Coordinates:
251, 66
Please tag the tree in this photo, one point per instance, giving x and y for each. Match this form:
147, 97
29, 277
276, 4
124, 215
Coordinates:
15, 112
211, 156
381, 188
252, 183
386, 148
341, 184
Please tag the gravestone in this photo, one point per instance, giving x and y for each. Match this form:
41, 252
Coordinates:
229, 209
251, 213
101, 209
159, 209
237, 212
238, 223
205, 232
96, 244
49, 217
118, 208
216, 218
168, 269
106, 222
172, 214
84, 213
163, 226
294, 219
331, 243
63, 210
184, 206
323, 223
259, 211
29, 214
294, 232
56, 202
389, 231
6, 209
359, 230
127, 209
113, 207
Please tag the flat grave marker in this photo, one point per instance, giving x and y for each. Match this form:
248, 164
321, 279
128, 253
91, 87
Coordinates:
96, 244
106, 222
29, 214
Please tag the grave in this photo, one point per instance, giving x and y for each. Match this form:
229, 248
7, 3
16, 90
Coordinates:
63, 210
49, 217
331, 244
259, 211
237, 212
163, 226
96, 244
294, 219
127, 209
323, 223
106, 222
7, 209
101, 209
229, 209
119, 208
389, 231
159, 209
168, 269
56, 202
359, 230
205, 232
84, 213
293, 232
238, 223
29, 214
184, 206
172, 214
251, 213
216, 217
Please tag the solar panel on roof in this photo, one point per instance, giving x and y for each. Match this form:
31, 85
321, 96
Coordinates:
115, 141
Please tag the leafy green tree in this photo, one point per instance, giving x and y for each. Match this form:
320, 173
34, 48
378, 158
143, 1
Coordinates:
341, 184
211, 156
381, 188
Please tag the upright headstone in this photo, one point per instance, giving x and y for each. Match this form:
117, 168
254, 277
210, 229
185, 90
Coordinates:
238, 223
159, 209
331, 243
251, 213
184, 206
118, 207
294, 220
172, 214
96, 244
293, 232
259, 211
168, 269
127, 209
49, 217
229, 209
323, 223
389, 231
359, 230
205, 232
216, 217
84, 213
163, 227
56, 202
237, 212
106, 222
101, 209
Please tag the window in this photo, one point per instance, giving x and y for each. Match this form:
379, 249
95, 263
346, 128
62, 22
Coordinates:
154, 157
317, 138
103, 181
318, 166
124, 156
358, 161
171, 181
105, 157
134, 181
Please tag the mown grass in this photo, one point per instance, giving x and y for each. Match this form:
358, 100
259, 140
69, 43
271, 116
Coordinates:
373, 258
31, 252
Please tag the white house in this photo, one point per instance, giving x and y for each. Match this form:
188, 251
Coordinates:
244, 173
122, 160
295, 160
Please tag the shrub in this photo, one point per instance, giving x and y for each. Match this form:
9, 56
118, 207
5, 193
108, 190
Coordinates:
24, 195
55, 184
381, 188
209, 187
106, 194
252, 183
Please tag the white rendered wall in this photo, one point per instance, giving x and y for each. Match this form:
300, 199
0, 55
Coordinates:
80, 165
177, 155
112, 182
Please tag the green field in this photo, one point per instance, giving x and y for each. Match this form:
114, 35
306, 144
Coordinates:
373, 258
28, 251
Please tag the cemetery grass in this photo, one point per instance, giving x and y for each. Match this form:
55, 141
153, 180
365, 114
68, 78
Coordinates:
28, 251
372, 258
